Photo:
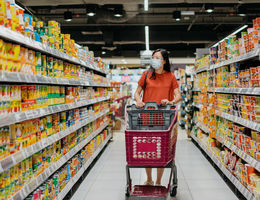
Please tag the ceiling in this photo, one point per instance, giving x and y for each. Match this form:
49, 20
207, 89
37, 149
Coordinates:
125, 36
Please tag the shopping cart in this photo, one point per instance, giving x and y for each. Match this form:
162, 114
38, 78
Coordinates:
151, 136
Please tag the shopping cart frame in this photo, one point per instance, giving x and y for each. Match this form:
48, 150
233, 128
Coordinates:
173, 181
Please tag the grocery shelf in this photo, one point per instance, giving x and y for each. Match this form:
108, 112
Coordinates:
249, 91
12, 118
249, 159
202, 127
18, 77
197, 105
239, 120
247, 56
26, 41
196, 90
247, 194
37, 181
71, 183
21, 155
202, 69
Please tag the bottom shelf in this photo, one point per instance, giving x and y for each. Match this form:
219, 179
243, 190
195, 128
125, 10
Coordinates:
241, 188
71, 183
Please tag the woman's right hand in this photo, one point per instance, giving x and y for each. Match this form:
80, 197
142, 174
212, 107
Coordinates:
140, 104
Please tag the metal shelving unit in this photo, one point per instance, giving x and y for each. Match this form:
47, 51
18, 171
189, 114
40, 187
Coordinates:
37, 181
21, 155
12, 118
241, 188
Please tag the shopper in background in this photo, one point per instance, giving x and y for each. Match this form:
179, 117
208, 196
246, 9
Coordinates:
158, 85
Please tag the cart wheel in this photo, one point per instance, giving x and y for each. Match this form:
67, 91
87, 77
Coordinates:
127, 193
173, 192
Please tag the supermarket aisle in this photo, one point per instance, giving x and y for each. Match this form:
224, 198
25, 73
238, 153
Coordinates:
198, 180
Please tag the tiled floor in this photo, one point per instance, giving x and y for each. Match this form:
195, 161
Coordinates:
197, 179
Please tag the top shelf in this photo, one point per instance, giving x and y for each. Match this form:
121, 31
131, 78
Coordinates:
26, 41
241, 58
203, 69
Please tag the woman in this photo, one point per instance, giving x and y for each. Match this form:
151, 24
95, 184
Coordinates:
161, 87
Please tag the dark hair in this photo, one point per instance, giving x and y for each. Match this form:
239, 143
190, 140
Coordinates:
166, 66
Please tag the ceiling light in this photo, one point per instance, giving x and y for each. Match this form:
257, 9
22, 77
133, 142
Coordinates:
147, 46
68, 16
242, 11
146, 7
118, 12
103, 52
91, 32
209, 8
176, 15
91, 14
234, 33
189, 12
91, 10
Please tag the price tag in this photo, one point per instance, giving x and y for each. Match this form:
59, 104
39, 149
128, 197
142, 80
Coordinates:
11, 76
7, 163
30, 114
18, 157
17, 196
32, 185
56, 109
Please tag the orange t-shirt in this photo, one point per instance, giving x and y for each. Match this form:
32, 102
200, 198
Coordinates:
161, 88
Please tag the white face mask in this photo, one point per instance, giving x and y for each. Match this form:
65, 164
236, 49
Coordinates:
155, 63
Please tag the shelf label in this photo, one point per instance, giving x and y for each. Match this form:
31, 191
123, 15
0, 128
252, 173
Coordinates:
30, 114
17, 196
56, 109
18, 157
11, 76
7, 163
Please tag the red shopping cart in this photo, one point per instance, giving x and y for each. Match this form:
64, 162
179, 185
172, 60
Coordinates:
151, 136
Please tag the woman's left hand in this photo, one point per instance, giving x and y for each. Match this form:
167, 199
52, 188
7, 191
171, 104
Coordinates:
165, 102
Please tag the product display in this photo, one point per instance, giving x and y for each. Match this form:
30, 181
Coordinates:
42, 68
228, 120
17, 98
38, 162
234, 46
55, 184
186, 111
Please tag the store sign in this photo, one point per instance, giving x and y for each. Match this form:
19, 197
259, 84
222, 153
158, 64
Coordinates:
146, 57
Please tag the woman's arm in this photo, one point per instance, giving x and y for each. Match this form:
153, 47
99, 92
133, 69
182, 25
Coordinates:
139, 102
177, 96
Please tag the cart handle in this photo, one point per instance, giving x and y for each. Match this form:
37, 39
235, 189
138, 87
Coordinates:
152, 104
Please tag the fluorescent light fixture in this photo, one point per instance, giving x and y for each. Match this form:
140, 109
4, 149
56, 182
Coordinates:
91, 32
91, 10
147, 46
146, 7
103, 52
187, 13
67, 16
234, 33
176, 15
118, 12
209, 8
91, 14
242, 11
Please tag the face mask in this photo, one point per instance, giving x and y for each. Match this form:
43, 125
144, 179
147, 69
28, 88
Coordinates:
156, 64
